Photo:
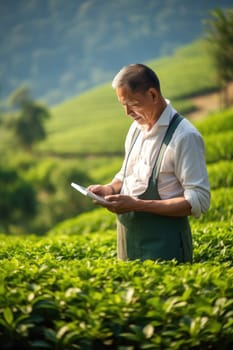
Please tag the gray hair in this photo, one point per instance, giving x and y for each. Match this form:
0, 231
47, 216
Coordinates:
138, 77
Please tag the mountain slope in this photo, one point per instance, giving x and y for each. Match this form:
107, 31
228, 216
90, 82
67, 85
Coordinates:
61, 48
94, 122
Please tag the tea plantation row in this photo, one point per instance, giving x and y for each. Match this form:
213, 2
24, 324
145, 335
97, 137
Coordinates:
69, 292
66, 290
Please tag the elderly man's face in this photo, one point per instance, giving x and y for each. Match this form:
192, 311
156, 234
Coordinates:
139, 106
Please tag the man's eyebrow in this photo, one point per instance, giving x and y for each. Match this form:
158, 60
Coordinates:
132, 102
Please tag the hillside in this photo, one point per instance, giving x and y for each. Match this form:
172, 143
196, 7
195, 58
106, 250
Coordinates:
62, 48
94, 122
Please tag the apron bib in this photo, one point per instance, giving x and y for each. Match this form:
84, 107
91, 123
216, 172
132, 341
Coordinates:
142, 235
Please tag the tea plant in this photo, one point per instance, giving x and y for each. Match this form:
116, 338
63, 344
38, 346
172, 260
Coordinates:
220, 174
216, 122
219, 146
221, 207
104, 304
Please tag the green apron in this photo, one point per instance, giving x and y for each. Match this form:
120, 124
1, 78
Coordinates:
142, 235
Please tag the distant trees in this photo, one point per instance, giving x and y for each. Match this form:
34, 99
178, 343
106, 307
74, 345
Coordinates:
17, 200
220, 39
29, 124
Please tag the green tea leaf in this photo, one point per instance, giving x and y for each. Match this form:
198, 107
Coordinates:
8, 315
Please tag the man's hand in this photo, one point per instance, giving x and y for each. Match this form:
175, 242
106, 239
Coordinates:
106, 190
101, 190
120, 204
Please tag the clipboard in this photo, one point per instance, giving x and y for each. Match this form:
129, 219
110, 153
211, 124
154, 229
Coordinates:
87, 193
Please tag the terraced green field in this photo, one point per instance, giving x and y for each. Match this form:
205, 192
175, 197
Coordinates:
94, 122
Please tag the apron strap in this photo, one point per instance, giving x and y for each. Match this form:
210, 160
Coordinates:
176, 119
167, 138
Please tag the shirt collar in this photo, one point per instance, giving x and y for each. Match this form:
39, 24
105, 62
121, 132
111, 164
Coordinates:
164, 120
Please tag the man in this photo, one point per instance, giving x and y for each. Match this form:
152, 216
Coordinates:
163, 178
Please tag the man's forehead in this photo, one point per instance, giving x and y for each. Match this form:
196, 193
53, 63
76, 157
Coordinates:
125, 95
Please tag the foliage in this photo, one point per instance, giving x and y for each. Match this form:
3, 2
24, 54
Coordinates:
17, 199
68, 292
216, 122
96, 220
66, 201
29, 124
219, 146
56, 199
221, 208
217, 130
220, 37
221, 174
29, 127
213, 241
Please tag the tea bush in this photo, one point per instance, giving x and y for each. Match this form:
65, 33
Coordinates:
221, 207
216, 122
70, 292
96, 220
220, 174
219, 146
213, 242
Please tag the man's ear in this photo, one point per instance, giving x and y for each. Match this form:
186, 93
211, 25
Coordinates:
154, 94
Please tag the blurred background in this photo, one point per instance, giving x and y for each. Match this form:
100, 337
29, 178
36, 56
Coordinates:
60, 48
59, 118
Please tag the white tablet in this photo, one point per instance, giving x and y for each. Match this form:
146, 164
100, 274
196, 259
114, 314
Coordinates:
90, 194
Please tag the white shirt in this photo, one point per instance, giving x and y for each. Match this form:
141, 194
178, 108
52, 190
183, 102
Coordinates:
183, 169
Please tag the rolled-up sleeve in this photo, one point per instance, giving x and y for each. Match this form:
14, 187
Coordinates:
192, 173
199, 201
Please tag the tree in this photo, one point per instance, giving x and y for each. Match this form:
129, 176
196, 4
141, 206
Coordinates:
29, 124
17, 199
220, 39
